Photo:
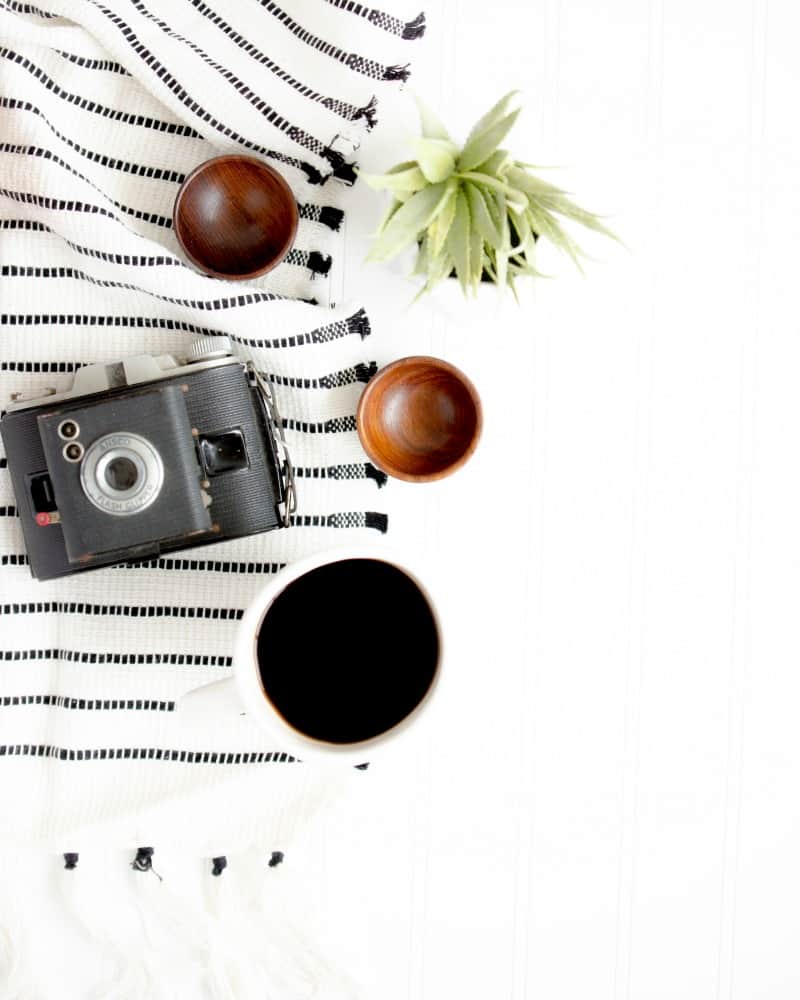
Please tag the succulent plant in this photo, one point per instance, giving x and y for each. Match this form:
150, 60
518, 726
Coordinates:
475, 212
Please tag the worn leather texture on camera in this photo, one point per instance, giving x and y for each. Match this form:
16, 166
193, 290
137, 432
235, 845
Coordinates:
158, 414
243, 501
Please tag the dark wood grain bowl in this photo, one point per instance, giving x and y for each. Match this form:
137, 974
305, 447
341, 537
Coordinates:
419, 419
235, 217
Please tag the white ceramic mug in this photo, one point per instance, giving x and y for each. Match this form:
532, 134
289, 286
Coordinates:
244, 692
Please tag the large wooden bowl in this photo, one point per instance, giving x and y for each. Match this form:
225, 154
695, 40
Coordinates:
419, 419
235, 217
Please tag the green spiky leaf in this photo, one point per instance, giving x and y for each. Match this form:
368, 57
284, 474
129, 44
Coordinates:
517, 201
440, 226
436, 158
458, 240
546, 225
497, 164
481, 147
492, 116
432, 128
522, 226
440, 269
563, 206
475, 258
501, 266
531, 185
512, 286
483, 180
411, 178
422, 263
390, 212
505, 226
409, 221
482, 219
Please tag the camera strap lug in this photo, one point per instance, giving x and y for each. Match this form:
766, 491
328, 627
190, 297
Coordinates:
261, 383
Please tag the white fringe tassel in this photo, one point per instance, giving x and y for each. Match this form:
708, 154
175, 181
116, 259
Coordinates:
106, 932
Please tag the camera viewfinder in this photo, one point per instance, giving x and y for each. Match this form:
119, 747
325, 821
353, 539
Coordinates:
222, 452
42, 495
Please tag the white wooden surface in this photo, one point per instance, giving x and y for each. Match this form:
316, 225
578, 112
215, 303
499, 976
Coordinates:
609, 805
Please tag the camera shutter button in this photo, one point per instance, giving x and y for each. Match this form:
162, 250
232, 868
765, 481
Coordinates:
209, 349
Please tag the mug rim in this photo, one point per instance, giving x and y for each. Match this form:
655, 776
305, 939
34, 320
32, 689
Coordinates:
248, 676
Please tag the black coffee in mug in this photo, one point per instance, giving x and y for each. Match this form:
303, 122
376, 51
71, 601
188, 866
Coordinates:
348, 650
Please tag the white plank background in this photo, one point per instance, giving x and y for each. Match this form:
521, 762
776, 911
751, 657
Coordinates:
609, 805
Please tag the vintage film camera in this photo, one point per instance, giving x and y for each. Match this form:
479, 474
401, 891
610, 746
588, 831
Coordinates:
147, 455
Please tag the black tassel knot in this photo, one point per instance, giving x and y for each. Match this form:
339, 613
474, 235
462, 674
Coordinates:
415, 28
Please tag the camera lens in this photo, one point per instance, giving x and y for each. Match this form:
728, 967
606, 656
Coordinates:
121, 474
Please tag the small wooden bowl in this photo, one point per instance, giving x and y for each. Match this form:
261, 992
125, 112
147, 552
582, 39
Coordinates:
235, 217
419, 419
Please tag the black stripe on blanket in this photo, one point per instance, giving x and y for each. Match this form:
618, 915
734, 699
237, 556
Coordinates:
117, 659
41, 152
59, 204
351, 519
339, 519
87, 704
41, 367
126, 166
386, 22
336, 425
142, 121
104, 65
326, 215
129, 260
316, 262
232, 302
312, 174
342, 472
29, 8
347, 376
243, 568
368, 67
145, 753
357, 323
206, 565
355, 470
342, 108
126, 610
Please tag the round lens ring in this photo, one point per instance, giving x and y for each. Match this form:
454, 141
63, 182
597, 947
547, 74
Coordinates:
68, 429
73, 452
121, 474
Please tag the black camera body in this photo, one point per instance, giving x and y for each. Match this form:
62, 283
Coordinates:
145, 456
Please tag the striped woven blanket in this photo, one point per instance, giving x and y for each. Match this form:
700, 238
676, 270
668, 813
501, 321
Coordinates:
105, 105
